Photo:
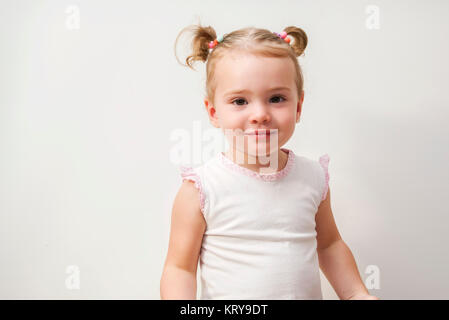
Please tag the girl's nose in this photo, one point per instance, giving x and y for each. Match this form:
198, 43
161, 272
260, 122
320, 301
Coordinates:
260, 114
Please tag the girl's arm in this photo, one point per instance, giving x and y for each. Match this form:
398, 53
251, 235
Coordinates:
178, 279
335, 258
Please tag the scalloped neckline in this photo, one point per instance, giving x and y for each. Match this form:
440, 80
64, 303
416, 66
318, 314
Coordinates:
261, 176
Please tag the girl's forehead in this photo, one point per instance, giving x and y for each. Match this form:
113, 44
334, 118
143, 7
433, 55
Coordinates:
250, 70
239, 59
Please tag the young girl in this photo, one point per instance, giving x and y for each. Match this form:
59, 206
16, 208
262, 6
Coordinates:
258, 217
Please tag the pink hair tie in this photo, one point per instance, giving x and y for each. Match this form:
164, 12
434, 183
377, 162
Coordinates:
283, 35
212, 44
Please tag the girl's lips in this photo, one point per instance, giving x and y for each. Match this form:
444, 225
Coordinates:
261, 132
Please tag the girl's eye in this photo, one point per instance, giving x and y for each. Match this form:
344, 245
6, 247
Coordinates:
240, 100
279, 97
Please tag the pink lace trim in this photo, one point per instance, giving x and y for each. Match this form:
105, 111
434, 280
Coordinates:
262, 176
324, 161
187, 173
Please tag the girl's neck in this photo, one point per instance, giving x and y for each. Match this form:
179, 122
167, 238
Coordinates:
274, 162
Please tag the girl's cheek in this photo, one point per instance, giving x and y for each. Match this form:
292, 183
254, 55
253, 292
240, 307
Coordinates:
284, 117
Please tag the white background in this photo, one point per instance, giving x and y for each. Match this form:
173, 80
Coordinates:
86, 116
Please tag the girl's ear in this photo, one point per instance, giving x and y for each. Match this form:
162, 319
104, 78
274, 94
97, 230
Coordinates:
299, 107
211, 112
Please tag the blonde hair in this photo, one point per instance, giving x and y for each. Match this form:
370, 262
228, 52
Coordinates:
252, 40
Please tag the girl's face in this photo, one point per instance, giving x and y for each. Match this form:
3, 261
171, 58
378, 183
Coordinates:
254, 93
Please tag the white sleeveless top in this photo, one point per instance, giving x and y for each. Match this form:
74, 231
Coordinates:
260, 239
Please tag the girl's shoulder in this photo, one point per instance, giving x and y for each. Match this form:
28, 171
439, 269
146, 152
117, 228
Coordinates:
318, 167
322, 159
196, 174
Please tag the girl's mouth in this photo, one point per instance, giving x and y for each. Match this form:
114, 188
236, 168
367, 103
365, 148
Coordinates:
264, 132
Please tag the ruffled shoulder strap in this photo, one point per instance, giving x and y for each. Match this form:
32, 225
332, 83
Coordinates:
188, 173
324, 162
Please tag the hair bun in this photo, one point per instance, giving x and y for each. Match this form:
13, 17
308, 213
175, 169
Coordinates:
299, 43
201, 36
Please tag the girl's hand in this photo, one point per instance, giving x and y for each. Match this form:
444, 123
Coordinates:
363, 296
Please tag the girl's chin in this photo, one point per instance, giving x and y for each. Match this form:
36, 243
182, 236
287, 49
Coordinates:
260, 149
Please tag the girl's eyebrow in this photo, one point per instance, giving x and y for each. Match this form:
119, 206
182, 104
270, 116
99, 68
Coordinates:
244, 91
279, 88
